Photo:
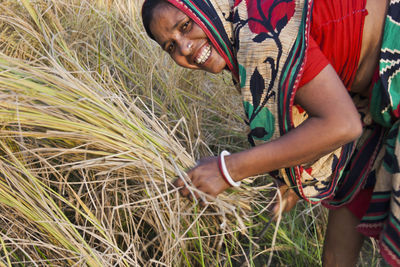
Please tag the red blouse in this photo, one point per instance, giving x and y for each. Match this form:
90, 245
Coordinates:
336, 37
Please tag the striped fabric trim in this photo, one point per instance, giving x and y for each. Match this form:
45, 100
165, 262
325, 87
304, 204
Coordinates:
288, 83
378, 208
390, 243
358, 169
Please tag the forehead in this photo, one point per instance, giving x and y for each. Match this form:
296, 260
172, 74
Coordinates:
164, 21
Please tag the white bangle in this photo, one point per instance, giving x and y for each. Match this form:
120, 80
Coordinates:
224, 170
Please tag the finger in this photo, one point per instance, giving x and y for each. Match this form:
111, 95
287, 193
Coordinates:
288, 200
196, 178
183, 184
190, 197
202, 197
279, 209
184, 191
179, 182
193, 196
281, 201
292, 199
204, 202
283, 189
207, 197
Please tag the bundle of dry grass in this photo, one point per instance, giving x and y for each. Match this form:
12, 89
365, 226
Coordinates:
94, 131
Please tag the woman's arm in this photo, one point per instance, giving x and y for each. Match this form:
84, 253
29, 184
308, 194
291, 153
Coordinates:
333, 121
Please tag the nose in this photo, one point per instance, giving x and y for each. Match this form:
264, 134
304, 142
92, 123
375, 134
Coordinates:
185, 47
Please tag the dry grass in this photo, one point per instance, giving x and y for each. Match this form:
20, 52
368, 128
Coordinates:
96, 124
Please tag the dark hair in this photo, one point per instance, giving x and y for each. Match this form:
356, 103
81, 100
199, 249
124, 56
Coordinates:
147, 14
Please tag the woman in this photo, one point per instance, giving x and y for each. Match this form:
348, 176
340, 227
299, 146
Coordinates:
294, 62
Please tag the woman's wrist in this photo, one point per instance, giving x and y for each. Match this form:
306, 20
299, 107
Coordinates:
224, 170
247, 163
233, 165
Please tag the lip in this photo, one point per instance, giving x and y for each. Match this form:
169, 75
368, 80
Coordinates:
200, 51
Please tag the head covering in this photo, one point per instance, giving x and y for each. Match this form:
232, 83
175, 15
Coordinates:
264, 45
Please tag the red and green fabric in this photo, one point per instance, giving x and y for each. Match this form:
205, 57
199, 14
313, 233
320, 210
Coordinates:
382, 219
264, 43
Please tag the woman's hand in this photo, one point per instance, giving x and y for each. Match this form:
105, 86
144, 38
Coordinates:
287, 200
206, 177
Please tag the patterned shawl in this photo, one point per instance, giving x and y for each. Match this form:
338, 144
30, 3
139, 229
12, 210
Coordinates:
264, 44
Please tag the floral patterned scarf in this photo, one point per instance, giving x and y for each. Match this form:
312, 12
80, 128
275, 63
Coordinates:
264, 44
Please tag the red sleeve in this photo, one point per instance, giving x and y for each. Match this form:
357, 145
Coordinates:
315, 62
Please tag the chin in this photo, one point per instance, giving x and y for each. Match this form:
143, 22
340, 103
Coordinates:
216, 71
219, 70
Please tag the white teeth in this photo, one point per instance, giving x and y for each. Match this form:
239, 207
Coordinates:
205, 54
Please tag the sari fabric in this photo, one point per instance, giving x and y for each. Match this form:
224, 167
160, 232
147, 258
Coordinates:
264, 43
382, 219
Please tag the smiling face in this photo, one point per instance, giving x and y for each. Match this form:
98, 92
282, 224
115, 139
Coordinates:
184, 40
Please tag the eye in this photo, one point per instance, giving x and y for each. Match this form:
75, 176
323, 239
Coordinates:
170, 47
186, 25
